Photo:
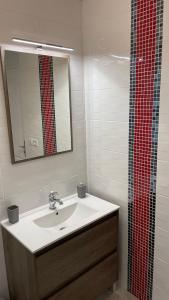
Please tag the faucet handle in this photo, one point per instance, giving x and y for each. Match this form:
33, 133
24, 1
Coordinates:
52, 200
53, 195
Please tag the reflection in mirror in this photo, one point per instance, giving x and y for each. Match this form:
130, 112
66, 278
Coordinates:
39, 104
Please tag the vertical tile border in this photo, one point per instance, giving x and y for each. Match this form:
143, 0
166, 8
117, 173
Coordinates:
47, 104
145, 80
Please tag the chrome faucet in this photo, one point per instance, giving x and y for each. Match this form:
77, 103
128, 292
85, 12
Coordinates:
53, 199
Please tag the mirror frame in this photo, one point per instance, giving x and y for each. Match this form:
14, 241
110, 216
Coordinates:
7, 103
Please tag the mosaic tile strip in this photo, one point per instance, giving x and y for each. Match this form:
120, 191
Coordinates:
145, 79
47, 104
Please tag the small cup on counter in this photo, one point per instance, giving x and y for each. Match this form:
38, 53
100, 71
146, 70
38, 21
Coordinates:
13, 214
81, 190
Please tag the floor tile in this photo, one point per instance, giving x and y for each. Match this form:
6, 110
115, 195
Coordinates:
118, 295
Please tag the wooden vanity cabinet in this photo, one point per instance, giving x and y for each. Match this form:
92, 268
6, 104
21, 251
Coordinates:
79, 267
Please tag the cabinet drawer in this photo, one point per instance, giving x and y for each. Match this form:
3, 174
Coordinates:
69, 259
91, 284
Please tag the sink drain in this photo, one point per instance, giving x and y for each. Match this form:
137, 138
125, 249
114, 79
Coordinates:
62, 228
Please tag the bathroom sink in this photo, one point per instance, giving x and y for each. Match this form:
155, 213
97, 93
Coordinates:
42, 226
66, 216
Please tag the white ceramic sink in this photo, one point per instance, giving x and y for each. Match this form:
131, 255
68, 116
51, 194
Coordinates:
41, 227
66, 216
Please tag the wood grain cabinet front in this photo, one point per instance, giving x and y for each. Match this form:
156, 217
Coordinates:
92, 283
85, 262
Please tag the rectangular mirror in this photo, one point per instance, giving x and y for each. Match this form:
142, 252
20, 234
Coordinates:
38, 104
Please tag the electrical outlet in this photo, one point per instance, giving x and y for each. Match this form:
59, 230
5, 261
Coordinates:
34, 142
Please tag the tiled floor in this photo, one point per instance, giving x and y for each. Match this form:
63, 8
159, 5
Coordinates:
118, 295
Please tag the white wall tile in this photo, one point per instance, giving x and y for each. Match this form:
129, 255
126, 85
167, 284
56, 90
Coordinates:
159, 293
161, 250
106, 75
78, 105
162, 212
162, 177
111, 190
161, 275
163, 151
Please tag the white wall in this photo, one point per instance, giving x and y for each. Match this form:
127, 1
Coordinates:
28, 184
161, 271
106, 41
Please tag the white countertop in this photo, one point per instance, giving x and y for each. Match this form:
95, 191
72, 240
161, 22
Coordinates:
35, 238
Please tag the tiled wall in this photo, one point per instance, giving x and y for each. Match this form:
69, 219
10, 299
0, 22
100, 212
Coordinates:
28, 184
106, 66
106, 40
145, 82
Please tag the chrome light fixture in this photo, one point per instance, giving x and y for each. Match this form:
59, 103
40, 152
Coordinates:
41, 45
